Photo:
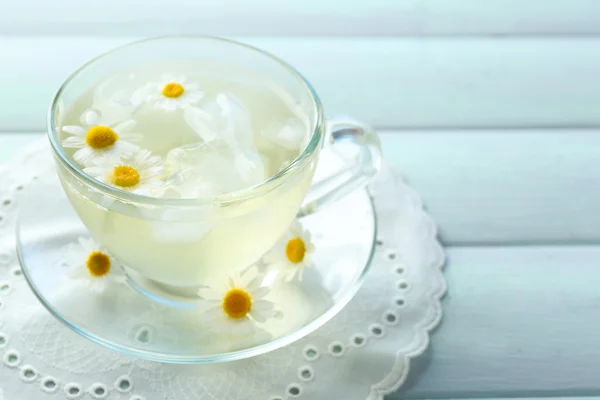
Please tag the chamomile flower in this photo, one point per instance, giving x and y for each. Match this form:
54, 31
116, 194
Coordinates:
170, 93
139, 173
239, 304
96, 141
291, 254
90, 263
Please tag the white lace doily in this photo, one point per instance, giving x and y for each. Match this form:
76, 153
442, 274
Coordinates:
362, 353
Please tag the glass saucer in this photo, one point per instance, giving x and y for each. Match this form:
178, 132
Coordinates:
133, 320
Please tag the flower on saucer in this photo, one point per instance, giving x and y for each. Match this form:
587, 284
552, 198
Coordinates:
89, 262
291, 253
170, 93
140, 173
239, 304
96, 141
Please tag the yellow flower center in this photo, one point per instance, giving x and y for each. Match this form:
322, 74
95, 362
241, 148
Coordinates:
125, 176
237, 303
173, 90
100, 137
295, 250
98, 263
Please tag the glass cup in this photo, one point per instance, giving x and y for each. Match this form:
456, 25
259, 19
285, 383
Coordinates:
184, 243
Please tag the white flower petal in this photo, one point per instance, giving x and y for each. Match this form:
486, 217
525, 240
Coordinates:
171, 104
97, 285
74, 130
263, 306
296, 228
300, 273
242, 326
84, 156
248, 276
259, 292
124, 147
153, 172
194, 97
74, 142
94, 171
119, 278
90, 118
87, 244
214, 314
290, 273
209, 293
79, 272
124, 126
258, 317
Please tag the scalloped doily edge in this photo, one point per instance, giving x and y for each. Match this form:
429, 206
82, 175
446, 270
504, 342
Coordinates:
396, 378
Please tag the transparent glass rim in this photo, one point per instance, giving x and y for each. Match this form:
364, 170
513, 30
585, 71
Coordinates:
243, 194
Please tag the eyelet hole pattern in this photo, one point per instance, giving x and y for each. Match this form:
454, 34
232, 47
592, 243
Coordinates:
311, 353
144, 335
336, 349
123, 384
377, 330
5, 287
28, 373
49, 384
358, 340
390, 255
98, 391
12, 358
294, 390
390, 318
306, 373
73, 391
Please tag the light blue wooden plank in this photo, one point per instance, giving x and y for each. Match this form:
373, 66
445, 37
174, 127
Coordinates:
518, 322
533, 186
492, 187
308, 17
390, 82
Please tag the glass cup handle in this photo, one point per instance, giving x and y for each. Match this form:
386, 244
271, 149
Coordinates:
362, 144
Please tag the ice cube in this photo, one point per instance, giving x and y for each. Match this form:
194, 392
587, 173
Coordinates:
249, 166
112, 98
203, 169
290, 133
223, 118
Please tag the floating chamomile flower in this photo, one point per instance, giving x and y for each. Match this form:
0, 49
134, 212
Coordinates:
239, 304
292, 252
90, 263
96, 141
140, 173
168, 94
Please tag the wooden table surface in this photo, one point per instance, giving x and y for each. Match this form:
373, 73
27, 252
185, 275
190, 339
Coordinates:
499, 135
521, 234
